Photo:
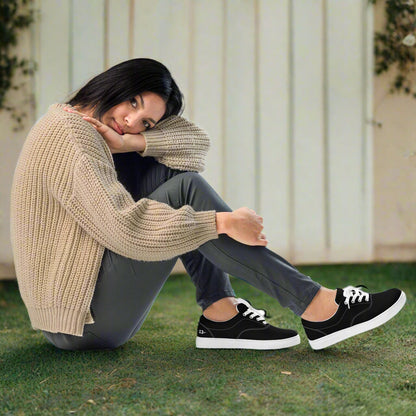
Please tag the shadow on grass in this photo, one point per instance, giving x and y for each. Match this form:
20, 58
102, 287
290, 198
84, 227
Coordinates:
38, 359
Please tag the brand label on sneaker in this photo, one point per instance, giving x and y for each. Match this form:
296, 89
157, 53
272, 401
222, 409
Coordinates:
201, 332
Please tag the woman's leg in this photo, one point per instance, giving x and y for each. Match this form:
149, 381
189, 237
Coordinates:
259, 266
208, 265
124, 293
141, 176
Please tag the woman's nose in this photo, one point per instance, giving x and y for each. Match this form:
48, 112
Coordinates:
131, 120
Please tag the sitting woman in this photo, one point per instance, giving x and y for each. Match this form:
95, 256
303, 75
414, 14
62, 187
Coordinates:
106, 196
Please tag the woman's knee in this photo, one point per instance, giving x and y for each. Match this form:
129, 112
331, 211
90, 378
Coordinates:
199, 193
189, 188
193, 180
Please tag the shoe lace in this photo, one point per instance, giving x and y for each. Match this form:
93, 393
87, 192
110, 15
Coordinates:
260, 312
252, 314
353, 294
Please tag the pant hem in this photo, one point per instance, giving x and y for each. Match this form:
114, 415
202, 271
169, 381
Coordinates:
299, 310
204, 303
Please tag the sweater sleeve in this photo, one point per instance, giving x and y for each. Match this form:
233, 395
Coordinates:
145, 230
178, 144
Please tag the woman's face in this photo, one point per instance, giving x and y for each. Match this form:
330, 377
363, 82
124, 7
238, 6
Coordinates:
137, 115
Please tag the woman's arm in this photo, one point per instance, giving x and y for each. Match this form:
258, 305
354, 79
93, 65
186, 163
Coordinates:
177, 143
174, 142
243, 225
148, 230
116, 142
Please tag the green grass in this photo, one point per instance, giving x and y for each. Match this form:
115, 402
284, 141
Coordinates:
159, 371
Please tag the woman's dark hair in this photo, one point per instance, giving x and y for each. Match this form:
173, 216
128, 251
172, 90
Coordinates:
124, 81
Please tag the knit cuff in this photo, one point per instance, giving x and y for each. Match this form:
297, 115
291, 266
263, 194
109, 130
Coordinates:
155, 143
176, 138
206, 228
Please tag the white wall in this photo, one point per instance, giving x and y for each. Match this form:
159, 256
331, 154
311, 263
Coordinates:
11, 142
394, 168
282, 87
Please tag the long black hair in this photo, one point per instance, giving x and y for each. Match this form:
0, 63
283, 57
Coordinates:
124, 81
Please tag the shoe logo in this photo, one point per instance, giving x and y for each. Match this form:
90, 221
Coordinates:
201, 332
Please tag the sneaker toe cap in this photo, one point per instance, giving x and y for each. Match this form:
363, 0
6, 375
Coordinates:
384, 300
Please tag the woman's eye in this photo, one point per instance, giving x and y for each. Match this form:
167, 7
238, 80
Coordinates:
133, 102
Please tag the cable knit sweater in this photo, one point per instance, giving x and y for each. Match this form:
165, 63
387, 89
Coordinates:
67, 206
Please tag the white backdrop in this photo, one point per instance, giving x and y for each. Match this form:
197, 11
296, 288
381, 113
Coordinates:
282, 86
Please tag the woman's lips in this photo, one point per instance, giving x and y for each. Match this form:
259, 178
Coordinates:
117, 128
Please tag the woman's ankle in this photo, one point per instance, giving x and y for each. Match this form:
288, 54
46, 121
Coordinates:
322, 307
222, 310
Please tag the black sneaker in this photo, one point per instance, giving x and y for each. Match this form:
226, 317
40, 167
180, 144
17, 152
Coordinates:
247, 330
358, 312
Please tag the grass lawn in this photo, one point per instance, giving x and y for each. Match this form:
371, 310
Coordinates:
160, 372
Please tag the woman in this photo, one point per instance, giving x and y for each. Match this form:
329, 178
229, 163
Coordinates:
95, 238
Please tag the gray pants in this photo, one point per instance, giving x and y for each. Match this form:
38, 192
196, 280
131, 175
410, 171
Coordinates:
127, 288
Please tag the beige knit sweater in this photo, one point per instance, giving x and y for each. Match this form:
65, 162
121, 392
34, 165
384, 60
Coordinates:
67, 206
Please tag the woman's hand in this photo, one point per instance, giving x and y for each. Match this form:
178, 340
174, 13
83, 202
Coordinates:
243, 225
116, 142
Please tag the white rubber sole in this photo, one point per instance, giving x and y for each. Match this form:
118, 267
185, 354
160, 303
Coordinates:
247, 344
378, 320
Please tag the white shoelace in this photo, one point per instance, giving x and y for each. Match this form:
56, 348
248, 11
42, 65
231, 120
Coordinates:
254, 315
260, 312
353, 294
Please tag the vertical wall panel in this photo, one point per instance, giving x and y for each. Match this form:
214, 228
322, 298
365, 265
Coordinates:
87, 40
117, 35
207, 98
149, 28
345, 105
367, 146
274, 104
162, 32
240, 138
308, 131
52, 54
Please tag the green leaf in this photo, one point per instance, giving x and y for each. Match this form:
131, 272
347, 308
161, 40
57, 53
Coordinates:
15, 16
